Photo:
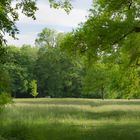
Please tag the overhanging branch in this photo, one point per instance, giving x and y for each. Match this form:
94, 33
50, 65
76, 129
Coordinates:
135, 29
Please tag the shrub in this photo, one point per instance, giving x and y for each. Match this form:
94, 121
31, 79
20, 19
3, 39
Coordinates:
4, 99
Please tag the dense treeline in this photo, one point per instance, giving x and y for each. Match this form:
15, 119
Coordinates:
56, 73
60, 73
99, 59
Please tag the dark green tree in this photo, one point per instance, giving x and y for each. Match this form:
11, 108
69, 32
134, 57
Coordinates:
57, 76
21, 69
96, 81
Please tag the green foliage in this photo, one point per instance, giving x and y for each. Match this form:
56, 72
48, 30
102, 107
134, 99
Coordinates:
2, 54
5, 81
96, 81
2, 138
9, 14
33, 85
20, 67
110, 23
49, 38
56, 74
4, 99
109, 37
100, 58
65, 4
46, 38
55, 70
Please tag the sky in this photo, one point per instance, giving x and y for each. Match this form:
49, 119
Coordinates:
50, 18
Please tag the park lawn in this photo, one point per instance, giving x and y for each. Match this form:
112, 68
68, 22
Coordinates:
70, 119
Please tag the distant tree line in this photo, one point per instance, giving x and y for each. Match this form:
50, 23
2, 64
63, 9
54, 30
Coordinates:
54, 69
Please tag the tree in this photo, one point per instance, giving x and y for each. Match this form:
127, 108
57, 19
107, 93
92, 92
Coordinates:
5, 98
56, 74
124, 83
34, 92
111, 34
5, 81
110, 24
9, 14
3, 55
48, 38
96, 81
20, 67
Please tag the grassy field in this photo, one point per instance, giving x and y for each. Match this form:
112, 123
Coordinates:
70, 119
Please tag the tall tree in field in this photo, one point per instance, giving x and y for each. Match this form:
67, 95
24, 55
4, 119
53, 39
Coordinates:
33, 85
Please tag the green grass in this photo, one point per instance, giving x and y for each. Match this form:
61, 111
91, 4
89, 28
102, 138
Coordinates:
70, 119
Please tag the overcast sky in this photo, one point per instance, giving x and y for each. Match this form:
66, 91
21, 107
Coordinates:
50, 18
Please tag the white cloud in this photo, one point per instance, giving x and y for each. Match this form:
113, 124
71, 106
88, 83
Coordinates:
28, 38
48, 16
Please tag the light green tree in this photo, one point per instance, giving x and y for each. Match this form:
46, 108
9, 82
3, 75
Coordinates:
109, 25
49, 38
34, 92
4, 99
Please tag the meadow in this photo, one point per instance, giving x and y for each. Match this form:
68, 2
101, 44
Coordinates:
70, 119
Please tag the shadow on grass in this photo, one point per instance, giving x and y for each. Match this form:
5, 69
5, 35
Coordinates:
59, 113
88, 115
93, 103
74, 113
58, 131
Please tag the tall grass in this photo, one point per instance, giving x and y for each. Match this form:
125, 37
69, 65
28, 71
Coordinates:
70, 119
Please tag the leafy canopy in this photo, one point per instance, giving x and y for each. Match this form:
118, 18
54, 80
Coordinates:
109, 25
9, 13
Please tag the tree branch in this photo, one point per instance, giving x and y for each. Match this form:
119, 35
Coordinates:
135, 29
130, 4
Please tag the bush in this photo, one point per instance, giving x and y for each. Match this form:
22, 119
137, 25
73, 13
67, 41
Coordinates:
4, 99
